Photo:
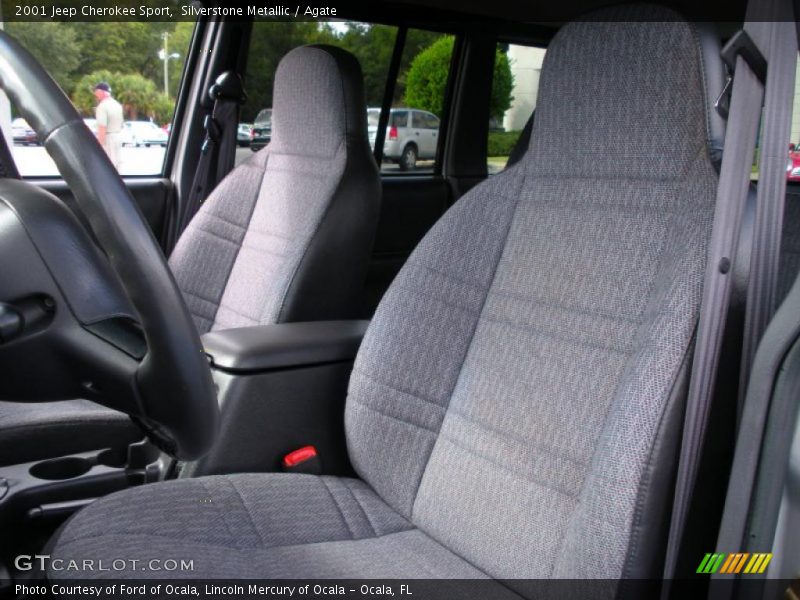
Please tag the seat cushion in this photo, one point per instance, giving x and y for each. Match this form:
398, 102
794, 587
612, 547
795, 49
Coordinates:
34, 431
256, 526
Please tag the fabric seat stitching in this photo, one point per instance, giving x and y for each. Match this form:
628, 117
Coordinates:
201, 229
634, 320
199, 297
236, 312
342, 147
218, 511
562, 338
360, 507
388, 416
392, 387
256, 530
226, 221
421, 265
255, 198
436, 298
506, 469
509, 437
338, 508
520, 184
249, 551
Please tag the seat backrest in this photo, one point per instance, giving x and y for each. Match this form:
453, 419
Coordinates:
287, 235
518, 394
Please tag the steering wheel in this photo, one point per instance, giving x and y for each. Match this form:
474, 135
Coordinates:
84, 336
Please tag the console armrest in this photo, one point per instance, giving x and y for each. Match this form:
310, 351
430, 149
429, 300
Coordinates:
254, 349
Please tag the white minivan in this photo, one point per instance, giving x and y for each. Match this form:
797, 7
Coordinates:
411, 135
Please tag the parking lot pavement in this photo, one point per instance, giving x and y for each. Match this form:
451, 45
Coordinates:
33, 161
426, 166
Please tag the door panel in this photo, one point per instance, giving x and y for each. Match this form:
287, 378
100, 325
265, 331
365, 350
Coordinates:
409, 208
151, 195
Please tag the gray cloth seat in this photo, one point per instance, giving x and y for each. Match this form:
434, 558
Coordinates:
515, 407
286, 236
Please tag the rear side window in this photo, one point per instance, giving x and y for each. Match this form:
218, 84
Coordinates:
142, 63
515, 87
418, 87
398, 118
793, 162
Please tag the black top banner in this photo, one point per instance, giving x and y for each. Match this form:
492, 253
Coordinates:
451, 11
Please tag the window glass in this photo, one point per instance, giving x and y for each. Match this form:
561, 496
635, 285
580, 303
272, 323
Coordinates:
411, 146
421, 83
398, 118
272, 40
515, 87
140, 63
793, 164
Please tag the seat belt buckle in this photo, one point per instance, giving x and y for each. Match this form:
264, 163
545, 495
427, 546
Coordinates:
740, 44
303, 460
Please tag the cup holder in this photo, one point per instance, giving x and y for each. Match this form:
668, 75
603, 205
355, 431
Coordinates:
61, 468
116, 458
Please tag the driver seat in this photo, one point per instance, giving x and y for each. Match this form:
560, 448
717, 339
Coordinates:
286, 236
516, 405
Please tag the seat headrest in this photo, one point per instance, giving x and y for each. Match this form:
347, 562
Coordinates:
624, 93
318, 101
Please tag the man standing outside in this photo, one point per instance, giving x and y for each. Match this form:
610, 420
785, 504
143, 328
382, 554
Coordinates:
109, 123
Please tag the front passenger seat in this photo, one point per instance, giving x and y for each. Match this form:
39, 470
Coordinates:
515, 406
286, 236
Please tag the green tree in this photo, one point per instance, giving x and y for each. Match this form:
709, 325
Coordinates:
427, 79
270, 41
124, 47
179, 41
502, 86
139, 96
372, 45
54, 45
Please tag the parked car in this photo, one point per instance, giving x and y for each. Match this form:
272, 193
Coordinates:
261, 133
22, 133
411, 135
143, 133
793, 168
243, 133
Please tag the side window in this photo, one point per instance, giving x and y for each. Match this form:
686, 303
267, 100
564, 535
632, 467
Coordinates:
122, 77
515, 87
793, 164
420, 84
427, 121
411, 148
398, 118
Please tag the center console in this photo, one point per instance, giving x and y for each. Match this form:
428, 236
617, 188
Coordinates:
280, 387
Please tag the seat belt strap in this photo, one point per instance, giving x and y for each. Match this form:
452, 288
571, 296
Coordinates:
734, 531
744, 115
218, 150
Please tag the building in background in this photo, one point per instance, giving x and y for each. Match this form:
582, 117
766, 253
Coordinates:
526, 66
